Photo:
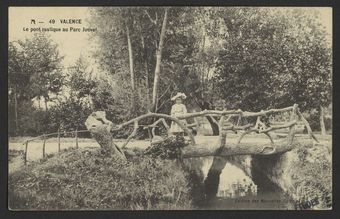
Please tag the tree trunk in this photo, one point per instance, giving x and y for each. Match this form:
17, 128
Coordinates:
146, 69
159, 61
100, 128
204, 105
147, 85
213, 125
213, 178
132, 73
322, 121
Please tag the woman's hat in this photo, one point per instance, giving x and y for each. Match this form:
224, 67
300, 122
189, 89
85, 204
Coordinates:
179, 95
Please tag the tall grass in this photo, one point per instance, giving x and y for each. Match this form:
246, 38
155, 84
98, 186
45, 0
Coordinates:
87, 179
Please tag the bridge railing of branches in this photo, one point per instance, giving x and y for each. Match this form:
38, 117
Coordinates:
99, 126
44, 138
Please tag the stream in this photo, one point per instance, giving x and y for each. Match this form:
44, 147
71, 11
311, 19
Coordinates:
237, 191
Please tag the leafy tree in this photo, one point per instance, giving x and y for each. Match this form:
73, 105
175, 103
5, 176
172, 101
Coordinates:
240, 54
273, 58
76, 110
118, 23
17, 78
80, 82
43, 66
34, 72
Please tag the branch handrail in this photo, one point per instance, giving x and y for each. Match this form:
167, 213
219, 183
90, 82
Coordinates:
44, 138
248, 127
202, 113
54, 133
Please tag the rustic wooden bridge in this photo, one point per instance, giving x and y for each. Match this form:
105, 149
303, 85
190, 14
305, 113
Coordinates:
102, 129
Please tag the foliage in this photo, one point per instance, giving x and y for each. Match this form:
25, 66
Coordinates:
35, 72
32, 121
273, 58
145, 24
169, 148
248, 58
70, 181
76, 110
314, 175
35, 67
80, 82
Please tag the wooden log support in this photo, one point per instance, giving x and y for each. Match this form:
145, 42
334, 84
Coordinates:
25, 153
150, 135
44, 145
223, 134
309, 129
76, 136
201, 150
58, 140
292, 129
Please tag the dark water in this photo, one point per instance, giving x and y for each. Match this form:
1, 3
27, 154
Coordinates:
263, 195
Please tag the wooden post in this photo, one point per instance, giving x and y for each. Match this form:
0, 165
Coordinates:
76, 135
310, 132
25, 153
150, 135
58, 140
322, 121
292, 129
44, 144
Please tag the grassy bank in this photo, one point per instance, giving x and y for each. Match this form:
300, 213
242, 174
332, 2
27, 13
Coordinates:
81, 179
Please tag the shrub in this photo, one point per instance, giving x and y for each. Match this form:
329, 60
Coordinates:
32, 121
314, 175
77, 112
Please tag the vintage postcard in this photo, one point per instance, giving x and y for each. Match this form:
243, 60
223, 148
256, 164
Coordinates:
170, 108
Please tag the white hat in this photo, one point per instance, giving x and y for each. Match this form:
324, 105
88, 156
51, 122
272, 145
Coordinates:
179, 94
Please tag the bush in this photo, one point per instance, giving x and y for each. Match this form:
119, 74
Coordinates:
314, 175
32, 121
88, 179
76, 112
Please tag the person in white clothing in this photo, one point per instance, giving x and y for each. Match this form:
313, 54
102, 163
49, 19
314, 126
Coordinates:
178, 109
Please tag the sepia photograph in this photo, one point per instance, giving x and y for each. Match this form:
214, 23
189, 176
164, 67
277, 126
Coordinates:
169, 108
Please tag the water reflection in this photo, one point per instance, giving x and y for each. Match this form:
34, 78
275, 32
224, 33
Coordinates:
237, 190
233, 181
